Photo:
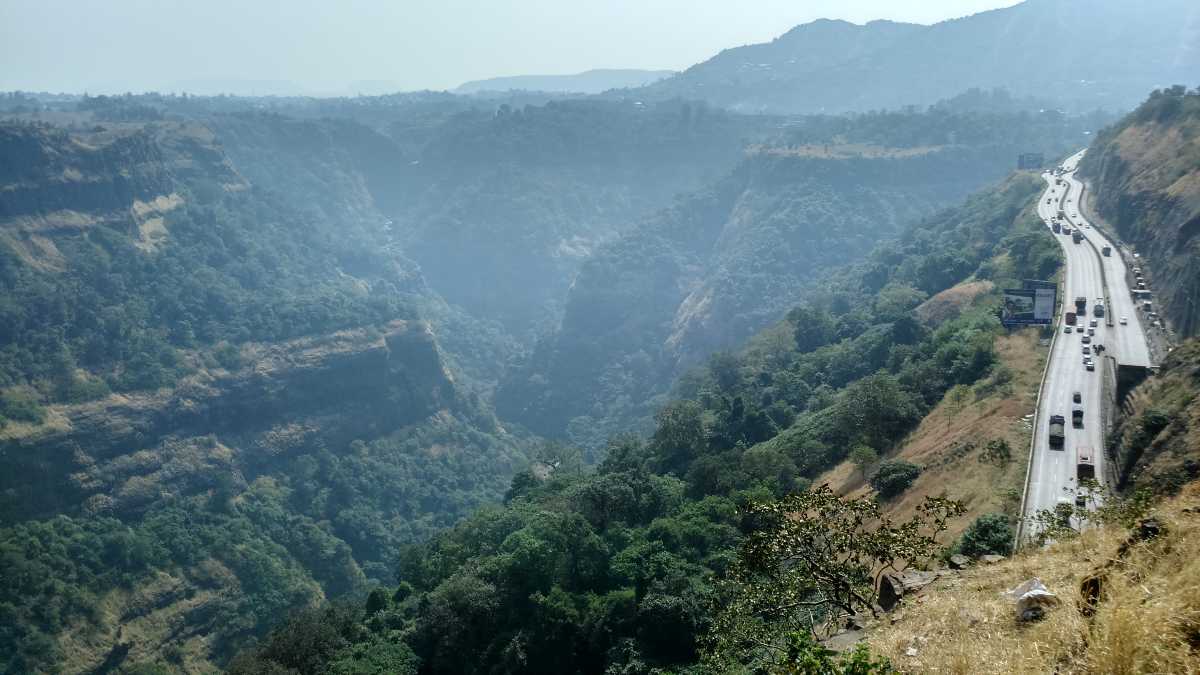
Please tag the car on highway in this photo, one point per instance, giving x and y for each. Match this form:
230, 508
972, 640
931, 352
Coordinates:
1087, 339
1091, 331
1089, 364
1124, 321
1067, 330
1077, 397
1081, 498
1087, 349
1092, 323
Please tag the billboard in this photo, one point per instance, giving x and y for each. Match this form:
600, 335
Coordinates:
1029, 306
1030, 160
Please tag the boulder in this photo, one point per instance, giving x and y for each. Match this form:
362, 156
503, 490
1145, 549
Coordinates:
959, 561
990, 559
893, 587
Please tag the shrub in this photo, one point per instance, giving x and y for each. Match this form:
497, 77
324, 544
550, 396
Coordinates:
893, 477
20, 405
990, 533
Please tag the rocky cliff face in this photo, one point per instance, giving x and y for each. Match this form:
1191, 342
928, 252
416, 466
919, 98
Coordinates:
1156, 443
119, 454
1145, 179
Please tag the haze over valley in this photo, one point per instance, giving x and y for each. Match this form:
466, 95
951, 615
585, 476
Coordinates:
601, 367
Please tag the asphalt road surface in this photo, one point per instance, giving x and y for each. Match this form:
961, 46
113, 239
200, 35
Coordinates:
1053, 475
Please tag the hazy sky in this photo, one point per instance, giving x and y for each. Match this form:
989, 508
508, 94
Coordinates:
118, 45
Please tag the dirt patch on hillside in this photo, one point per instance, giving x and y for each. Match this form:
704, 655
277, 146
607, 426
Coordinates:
151, 226
951, 302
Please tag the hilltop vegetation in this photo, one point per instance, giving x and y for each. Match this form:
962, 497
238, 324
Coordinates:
616, 568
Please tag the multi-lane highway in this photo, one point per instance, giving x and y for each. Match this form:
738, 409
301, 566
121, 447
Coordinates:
1069, 384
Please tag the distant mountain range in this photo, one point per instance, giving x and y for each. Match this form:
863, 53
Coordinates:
1081, 53
588, 82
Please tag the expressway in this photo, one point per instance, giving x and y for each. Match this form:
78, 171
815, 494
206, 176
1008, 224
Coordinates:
1052, 474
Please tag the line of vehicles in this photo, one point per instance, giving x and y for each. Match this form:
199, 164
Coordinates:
1074, 322
1085, 455
1072, 319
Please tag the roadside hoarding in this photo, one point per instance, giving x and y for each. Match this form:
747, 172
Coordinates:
1029, 306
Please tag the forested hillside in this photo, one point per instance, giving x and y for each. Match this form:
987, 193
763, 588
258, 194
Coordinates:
1145, 177
1116, 52
217, 400
725, 262
616, 569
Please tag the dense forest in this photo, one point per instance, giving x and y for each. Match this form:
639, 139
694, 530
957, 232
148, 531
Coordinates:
616, 569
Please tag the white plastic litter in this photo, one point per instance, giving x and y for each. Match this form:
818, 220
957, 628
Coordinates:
1032, 599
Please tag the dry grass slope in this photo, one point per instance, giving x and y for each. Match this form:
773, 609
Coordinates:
1147, 621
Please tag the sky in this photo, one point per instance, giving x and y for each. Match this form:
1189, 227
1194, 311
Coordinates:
344, 46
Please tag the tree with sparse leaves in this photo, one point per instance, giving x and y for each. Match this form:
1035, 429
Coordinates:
812, 558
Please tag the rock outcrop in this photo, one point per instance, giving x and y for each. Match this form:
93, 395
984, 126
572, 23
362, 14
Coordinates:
119, 452
1145, 180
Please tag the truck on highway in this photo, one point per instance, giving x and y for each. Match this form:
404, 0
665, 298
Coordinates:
1085, 463
1057, 227
1058, 430
1107, 250
1081, 306
1062, 215
1070, 318
1076, 236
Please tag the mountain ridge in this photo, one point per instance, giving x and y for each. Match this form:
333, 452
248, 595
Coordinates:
1121, 52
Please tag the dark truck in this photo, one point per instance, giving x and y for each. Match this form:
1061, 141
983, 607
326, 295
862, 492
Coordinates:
1057, 227
1107, 250
1076, 236
1058, 430
1081, 306
1077, 417
1085, 463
